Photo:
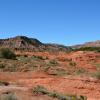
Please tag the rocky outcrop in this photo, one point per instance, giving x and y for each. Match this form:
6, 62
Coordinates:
31, 44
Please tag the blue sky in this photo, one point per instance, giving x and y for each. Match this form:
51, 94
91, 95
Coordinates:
65, 22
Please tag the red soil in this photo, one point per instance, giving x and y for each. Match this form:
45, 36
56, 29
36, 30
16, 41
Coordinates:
86, 86
80, 85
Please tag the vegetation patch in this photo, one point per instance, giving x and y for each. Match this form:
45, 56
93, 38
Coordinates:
61, 72
72, 63
96, 75
80, 71
7, 54
53, 62
3, 83
97, 49
2, 66
42, 90
98, 66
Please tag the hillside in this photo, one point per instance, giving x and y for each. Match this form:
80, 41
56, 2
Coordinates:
24, 43
88, 44
30, 44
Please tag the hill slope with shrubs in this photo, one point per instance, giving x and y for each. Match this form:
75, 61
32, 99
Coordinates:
24, 43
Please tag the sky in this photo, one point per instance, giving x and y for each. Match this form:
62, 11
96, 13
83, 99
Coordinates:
67, 22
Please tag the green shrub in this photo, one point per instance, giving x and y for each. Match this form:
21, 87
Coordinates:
97, 75
2, 83
40, 57
97, 66
7, 53
61, 72
72, 63
53, 62
80, 71
44, 91
50, 65
40, 89
2, 66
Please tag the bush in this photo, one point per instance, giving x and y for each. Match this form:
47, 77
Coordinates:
53, 62
61, 72
2, 66
80, 71
98, 66
97, 75
44, 91
7, 53
2, 83
40, 89
72, 63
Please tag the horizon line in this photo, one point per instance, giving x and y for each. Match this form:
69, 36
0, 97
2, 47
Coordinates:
48, 42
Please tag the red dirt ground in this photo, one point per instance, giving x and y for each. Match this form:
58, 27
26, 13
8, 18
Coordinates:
23, 82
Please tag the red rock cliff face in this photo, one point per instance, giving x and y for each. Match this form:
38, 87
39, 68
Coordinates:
30, 44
